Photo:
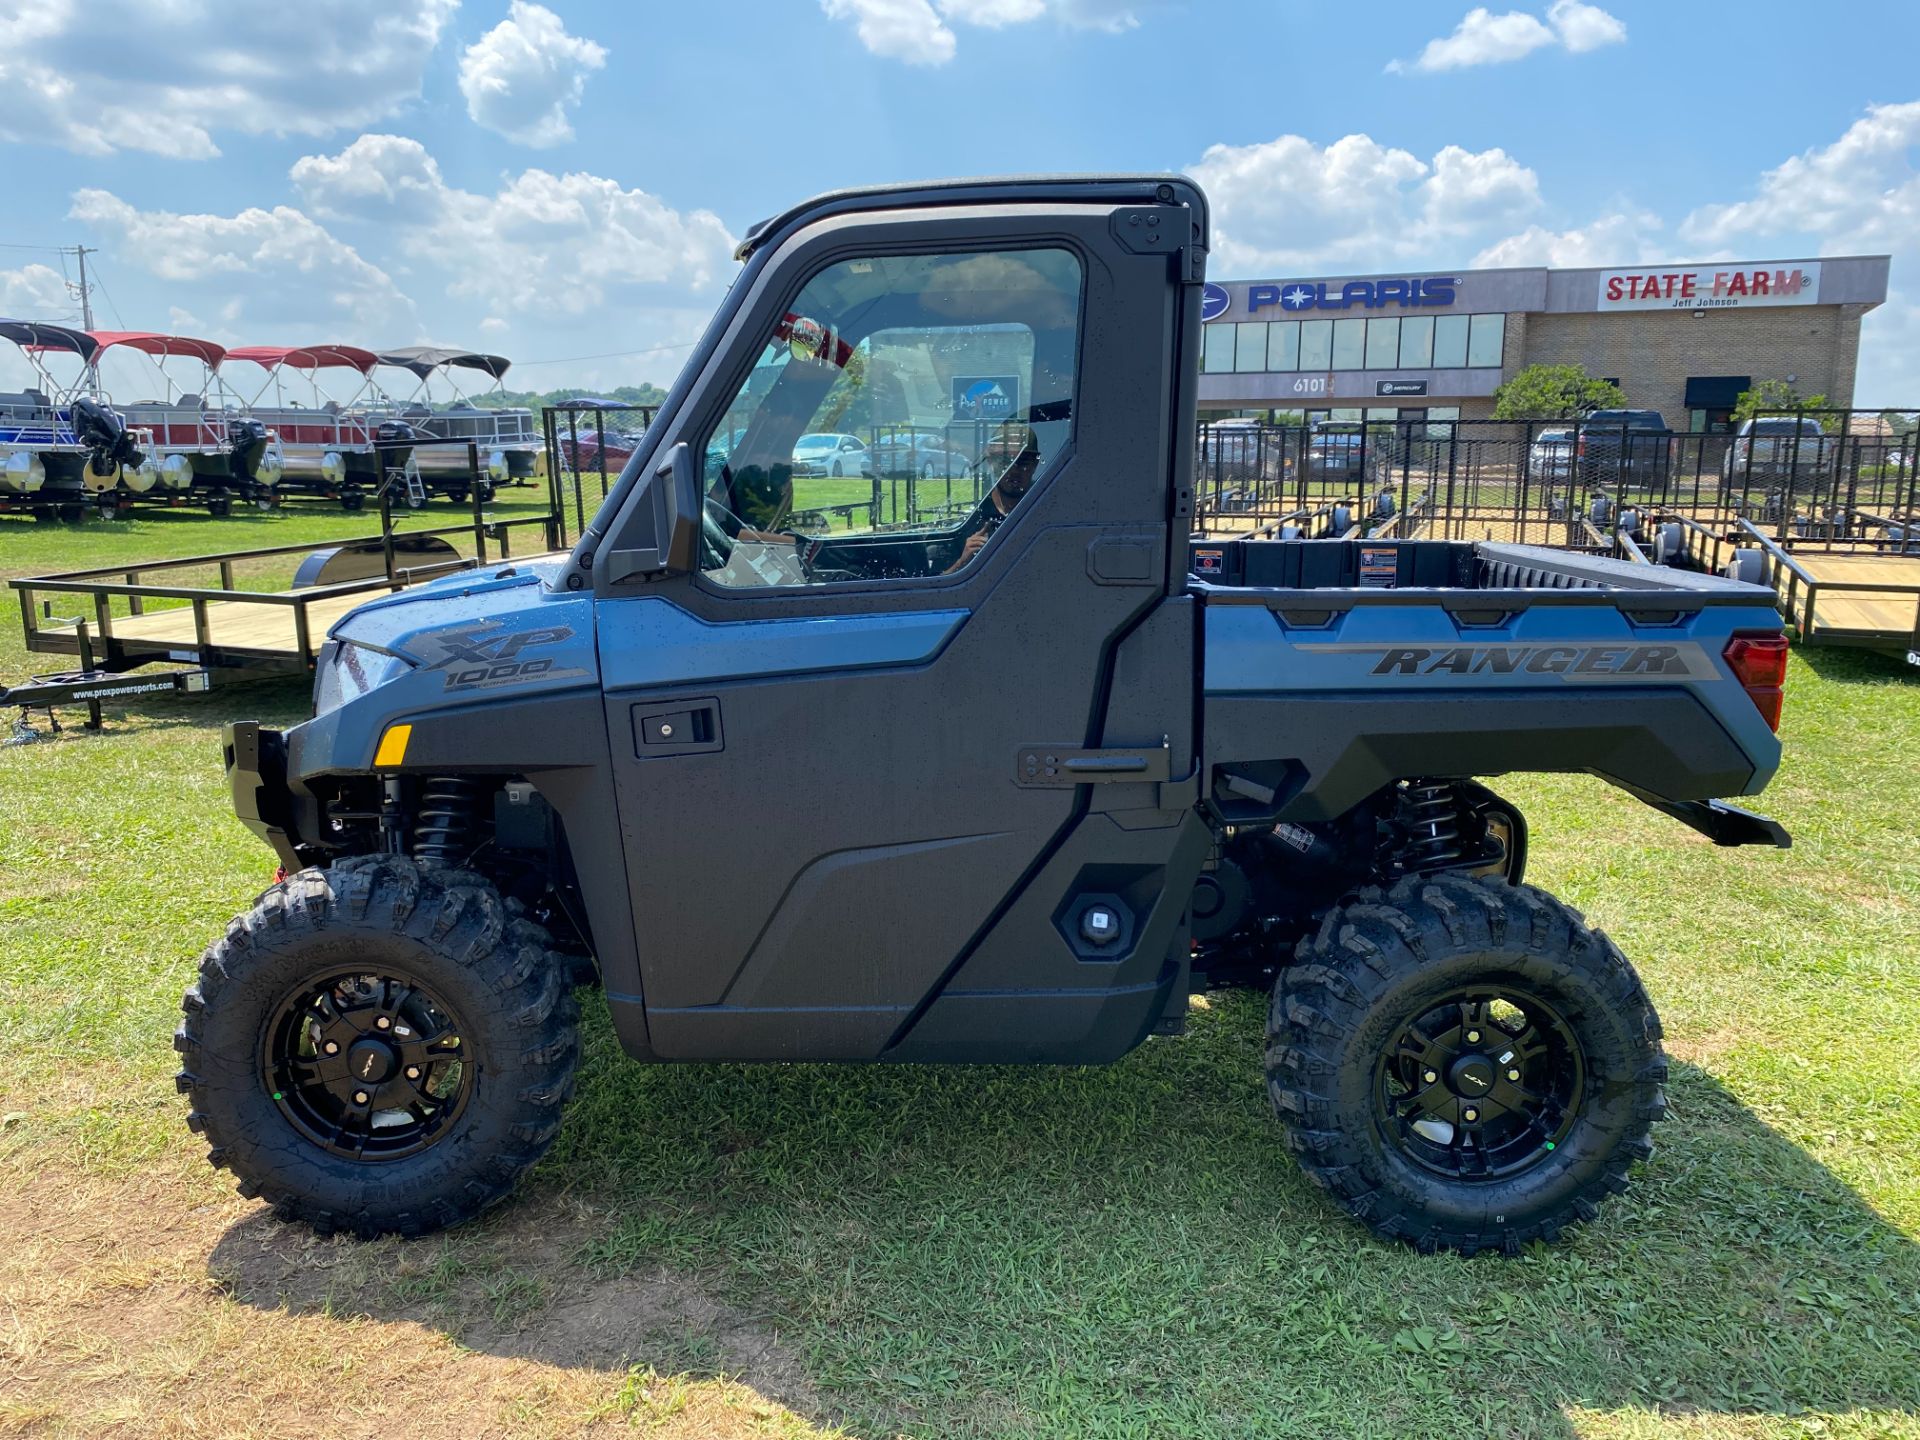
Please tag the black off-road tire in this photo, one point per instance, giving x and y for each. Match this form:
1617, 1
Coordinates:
451, 930
1373, 967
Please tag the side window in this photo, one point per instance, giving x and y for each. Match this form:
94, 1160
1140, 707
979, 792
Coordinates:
896, 416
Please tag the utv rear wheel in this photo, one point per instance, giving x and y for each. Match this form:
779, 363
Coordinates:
376, 1047
1464, 1064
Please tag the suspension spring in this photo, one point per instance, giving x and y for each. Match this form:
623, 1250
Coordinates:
1433, 812
445, 830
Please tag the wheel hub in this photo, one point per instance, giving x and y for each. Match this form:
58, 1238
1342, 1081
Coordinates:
1471, 1077
1484, 1084
367, 1066
370, 1061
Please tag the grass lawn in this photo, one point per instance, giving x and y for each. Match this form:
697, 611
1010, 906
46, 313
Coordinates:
798, 1250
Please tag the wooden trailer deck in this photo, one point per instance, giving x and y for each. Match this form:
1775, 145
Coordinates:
1886, 610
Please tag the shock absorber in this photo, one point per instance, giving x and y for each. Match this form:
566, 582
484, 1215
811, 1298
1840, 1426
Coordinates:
1433, 822
445, 830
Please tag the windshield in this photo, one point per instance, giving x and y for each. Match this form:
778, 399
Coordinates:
948, 379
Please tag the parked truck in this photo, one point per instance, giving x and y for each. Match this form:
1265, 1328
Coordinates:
1008, 789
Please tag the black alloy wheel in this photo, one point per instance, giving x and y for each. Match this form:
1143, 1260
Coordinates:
1483, 1085
367, 1066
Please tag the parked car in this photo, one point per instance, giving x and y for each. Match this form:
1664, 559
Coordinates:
1241, 452
1337, 451
921, 453
829, 453
1625, 449
1550, 457
1776, 447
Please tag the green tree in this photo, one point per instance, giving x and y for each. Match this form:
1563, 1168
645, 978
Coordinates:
1774, 397
1554, 392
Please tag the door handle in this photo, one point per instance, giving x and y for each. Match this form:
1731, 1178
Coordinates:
677, 727
1049, 767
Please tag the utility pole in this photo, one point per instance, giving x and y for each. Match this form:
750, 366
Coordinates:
86, 308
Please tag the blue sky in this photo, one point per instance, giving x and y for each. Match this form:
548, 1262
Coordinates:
562, 183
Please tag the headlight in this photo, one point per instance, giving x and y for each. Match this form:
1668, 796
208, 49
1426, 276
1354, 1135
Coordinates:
347, 671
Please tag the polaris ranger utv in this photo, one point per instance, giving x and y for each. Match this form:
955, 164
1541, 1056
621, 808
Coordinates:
1005, 783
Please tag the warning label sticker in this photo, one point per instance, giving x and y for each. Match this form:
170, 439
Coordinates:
1379, 567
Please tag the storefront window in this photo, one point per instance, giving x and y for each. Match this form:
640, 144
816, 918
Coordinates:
1416, 342
1450, 342
1440, 421
1383, 344
1487, 341
1316, 344
1283, 345
1250, 347
1349, 344
1216, 350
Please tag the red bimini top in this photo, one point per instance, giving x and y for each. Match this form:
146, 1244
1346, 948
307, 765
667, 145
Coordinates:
205, 351
308, 357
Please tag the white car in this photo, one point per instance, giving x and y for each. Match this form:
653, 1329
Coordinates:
828, 453
1550, 457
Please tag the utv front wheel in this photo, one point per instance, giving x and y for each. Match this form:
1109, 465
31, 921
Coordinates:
1464, 1064
377, 1047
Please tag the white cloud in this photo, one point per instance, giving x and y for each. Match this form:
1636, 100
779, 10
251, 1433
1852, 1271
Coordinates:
34, 292
906, 30
540, 243
287, 266
1289, 205
377, 177
1626, 237
1484, 38
523, 76
919, 31
1859, 194
98, 76
1862, 191
1585, 27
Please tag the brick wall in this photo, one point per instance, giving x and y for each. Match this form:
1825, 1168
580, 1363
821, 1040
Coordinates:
1653, 353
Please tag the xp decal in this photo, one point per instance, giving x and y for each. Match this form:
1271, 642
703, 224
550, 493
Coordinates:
472, 659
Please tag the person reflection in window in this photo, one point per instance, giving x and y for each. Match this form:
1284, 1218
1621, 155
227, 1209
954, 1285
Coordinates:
1007, 492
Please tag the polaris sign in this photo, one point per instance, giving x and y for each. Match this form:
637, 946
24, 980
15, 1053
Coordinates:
1411, 293
1214, 301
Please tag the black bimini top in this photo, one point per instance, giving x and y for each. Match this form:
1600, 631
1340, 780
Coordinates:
423, 360
988, 189
36, 335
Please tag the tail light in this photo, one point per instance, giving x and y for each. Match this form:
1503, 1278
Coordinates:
1580, 446
1759, 663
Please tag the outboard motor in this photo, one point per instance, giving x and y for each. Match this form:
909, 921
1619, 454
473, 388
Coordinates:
105, 434
393, 432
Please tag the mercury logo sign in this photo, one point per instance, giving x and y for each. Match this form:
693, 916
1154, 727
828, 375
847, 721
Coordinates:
1214, 301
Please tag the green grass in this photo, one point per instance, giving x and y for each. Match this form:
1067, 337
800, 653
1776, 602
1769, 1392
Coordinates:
1128, 1251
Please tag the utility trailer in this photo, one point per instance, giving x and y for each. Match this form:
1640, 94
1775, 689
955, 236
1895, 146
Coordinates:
1004, 786
133, 619
1850, 580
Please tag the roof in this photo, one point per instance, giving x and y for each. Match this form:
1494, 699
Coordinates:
423, 360
308, 357
151, 343
985, 190
35, 335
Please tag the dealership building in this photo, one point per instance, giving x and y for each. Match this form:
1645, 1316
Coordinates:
1681, 339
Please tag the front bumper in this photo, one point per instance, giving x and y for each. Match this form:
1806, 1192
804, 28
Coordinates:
256, 761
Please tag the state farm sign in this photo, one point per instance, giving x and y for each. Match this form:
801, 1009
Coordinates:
1712, 287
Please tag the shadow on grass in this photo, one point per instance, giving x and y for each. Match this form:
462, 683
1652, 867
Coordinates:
1122, 1251
1844, 665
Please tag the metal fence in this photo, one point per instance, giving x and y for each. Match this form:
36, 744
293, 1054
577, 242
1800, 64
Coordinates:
1843, 473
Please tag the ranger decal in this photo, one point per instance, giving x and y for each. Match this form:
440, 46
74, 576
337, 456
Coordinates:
1680, 661
476, 660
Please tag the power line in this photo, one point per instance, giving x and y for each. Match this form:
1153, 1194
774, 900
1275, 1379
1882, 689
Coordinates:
607, 355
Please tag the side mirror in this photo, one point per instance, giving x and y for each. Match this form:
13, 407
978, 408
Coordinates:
674, 497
